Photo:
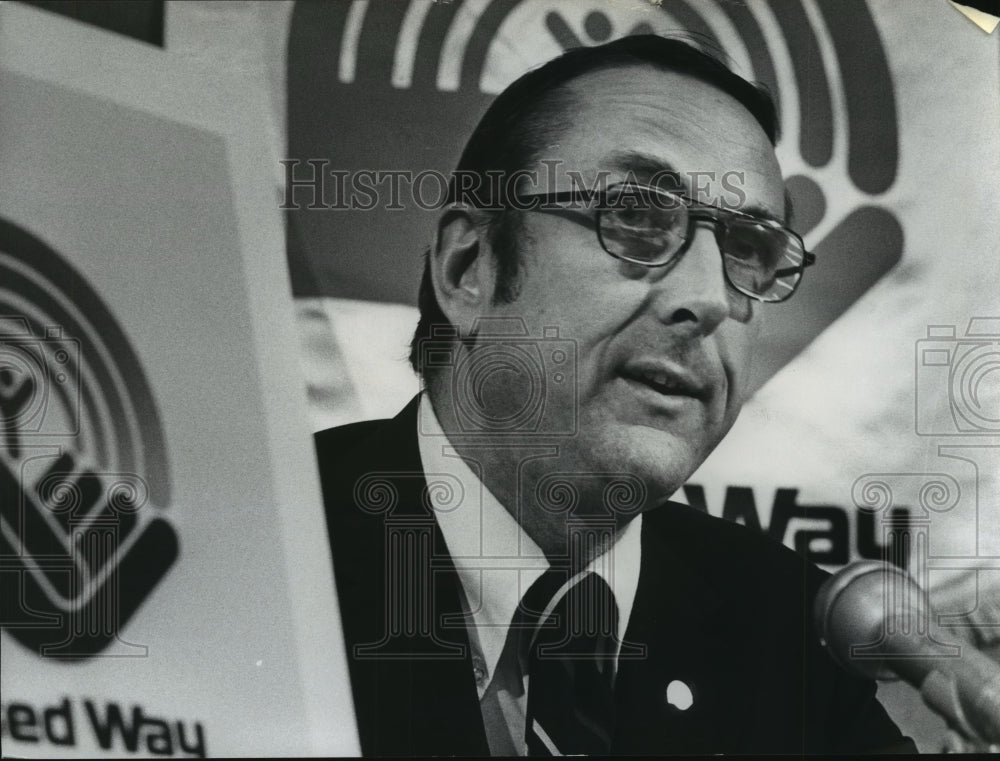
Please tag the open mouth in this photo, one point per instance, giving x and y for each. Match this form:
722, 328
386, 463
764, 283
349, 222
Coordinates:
666, 383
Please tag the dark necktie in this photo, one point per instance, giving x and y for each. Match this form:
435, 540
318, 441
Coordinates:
570, 665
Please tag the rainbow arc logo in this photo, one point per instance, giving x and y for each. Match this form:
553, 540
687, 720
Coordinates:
84, 475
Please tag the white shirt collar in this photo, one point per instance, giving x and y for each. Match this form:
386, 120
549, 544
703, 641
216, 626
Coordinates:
495, 559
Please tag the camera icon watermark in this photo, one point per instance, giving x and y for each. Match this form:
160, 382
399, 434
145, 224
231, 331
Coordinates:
964, 371
39, 381
504, 381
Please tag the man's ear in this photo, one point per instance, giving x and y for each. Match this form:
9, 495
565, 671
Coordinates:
461, 269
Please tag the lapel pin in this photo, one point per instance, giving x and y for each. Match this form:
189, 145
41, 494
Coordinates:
679, 695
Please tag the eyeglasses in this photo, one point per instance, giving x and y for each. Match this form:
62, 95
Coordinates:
762, 258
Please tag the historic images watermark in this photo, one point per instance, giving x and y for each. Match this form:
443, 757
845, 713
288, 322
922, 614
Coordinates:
312, 185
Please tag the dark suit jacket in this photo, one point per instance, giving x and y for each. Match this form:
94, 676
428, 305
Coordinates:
719, 607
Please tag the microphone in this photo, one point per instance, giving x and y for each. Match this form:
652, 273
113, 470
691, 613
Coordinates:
873, 618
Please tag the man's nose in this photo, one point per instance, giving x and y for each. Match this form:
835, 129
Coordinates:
693, 294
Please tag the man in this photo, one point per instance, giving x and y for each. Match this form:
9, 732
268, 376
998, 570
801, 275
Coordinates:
512, 577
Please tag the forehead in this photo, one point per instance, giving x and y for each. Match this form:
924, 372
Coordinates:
641, 118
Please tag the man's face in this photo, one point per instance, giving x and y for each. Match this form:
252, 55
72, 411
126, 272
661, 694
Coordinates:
663, 353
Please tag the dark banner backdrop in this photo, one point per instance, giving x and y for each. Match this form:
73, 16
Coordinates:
390, 86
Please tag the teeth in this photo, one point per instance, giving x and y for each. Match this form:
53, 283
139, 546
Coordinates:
664, 382
660, 379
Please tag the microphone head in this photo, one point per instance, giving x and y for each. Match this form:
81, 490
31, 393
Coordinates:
854, 608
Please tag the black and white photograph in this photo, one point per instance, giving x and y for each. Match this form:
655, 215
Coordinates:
476, 378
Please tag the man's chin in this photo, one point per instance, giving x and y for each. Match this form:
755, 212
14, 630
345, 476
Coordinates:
661, 460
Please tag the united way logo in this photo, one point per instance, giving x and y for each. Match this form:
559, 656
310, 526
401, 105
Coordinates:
423, 72
83, 464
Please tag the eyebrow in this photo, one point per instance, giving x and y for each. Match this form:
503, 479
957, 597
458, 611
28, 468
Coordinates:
755, 210
645, 166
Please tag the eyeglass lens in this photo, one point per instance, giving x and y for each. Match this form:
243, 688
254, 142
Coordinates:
650, 227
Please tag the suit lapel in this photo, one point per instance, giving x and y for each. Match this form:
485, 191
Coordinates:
412, 677
674, 696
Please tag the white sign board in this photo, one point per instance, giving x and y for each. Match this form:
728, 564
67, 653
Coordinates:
164, 563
